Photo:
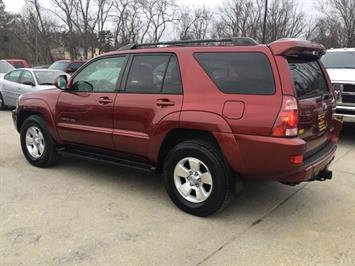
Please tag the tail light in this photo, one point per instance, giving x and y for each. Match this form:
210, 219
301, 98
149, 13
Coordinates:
286, 124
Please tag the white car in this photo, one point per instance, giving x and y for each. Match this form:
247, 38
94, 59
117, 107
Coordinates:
20, 81
340, 64
5, 67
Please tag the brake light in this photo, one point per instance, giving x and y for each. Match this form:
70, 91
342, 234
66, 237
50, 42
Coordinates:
297, 159
286, 124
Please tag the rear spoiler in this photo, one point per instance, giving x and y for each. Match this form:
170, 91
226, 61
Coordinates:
296, 47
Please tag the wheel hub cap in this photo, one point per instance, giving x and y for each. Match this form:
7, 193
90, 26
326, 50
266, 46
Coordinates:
35, 142
193, 180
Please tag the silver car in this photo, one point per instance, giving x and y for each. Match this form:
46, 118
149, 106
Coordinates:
20, 81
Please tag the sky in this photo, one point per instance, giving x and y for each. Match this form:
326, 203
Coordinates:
15, 6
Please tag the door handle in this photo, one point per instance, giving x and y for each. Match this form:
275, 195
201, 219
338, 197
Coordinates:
105, 100
165, 102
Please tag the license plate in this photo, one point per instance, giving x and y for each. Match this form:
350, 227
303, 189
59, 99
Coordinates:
322, 122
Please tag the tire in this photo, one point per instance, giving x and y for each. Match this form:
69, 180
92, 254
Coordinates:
207, 158
36, 130
2, 103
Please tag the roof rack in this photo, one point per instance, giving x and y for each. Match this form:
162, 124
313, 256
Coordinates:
238, 41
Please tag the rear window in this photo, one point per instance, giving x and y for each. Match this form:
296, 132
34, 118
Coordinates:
239, 73
308, 78
19, 65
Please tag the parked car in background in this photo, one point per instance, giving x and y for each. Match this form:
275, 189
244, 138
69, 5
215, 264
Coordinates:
18, 63
340, 64
67, 66
20, 81
41, 67
5, 67
201, 115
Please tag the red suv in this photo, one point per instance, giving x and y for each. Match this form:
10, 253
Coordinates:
204, 115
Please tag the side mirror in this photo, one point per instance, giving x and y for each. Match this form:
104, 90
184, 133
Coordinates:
61, 82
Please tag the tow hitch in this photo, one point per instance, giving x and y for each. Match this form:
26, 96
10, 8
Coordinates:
326, 174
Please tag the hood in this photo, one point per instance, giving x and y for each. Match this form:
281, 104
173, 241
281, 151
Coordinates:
341, 75
42, 93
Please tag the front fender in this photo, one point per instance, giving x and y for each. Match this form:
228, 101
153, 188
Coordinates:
37, 106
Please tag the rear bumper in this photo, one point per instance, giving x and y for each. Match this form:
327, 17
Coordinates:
269, 158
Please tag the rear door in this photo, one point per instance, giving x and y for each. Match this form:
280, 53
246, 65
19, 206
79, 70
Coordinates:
152, 90
315, 102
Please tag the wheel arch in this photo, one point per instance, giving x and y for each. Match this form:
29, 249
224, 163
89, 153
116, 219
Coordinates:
40, 108
178, 135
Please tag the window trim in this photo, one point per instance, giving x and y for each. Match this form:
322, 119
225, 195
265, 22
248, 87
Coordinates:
128, 69
120, 75
238, 52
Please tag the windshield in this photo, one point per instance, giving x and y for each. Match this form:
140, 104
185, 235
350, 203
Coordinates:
59, 65
339, 59
5, 67
46, 77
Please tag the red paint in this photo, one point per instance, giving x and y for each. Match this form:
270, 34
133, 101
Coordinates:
18, 63
137, 124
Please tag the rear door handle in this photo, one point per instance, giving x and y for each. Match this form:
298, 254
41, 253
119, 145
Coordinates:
105, 100
165, 102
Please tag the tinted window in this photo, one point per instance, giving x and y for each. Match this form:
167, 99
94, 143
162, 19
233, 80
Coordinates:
147, 73
27, 78
241, 73
308, 78
19, 65
5, 67
172, 80
13, 76
74, 66
339, 59
99, 76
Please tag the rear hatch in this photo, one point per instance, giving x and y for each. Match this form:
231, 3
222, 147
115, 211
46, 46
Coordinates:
315, 101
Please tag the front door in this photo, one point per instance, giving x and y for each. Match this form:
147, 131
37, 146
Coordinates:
151, 92
85, 109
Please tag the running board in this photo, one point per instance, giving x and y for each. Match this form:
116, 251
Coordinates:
108, 158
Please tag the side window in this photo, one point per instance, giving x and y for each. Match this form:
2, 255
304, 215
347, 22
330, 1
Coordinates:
99, 76
146, 74
13, 76
27, 78
172, 80
239, 73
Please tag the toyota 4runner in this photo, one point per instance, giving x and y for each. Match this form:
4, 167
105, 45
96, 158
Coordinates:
203, 115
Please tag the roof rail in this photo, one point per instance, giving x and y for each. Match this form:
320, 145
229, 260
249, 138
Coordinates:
238, 41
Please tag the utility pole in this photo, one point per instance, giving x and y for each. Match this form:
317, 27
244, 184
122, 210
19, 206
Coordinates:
264, 26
